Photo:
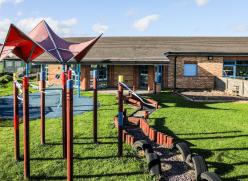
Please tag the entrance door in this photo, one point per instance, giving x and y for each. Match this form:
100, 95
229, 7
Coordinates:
102, 76
143, 76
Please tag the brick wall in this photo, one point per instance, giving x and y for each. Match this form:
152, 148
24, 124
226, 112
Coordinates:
53, 70
135, 77
111, 75
127, 71
85, 77
151, 77
207, 70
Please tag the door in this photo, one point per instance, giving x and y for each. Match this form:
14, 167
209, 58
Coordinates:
102, 76
143, 76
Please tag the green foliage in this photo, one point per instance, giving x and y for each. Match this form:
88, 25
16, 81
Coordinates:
5, 79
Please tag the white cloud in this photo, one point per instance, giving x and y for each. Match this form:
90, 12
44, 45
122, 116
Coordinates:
10, 2
63, 27
241, 28
4, 24
145, 22
19, 13
201, 2
100, 28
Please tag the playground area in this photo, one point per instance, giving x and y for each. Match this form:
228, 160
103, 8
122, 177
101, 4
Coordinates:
53, 108
96, 144
222, 145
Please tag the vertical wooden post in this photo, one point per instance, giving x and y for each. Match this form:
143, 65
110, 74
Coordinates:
78, 79
120, 117
16, 120
26, 128
64, 137
42, 104
69, 129
155, 81
69, 72
95, 106
124, 116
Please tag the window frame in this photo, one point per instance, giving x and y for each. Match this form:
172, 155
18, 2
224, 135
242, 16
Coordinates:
196, 69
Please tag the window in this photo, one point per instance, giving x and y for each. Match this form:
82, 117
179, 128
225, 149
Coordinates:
102, 75
158, 73
190, 69
143, 76
235, 68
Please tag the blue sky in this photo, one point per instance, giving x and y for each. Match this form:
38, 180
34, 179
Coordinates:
129, 17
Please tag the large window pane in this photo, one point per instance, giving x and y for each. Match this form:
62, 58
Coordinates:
102, 75
228, 71
143, 76
242, 71
190, 69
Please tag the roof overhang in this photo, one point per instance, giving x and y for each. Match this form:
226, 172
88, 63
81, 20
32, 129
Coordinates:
98, 61
206, 54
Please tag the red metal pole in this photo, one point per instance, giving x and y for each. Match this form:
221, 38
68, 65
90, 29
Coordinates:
95, 106
16, 122
69, 72
42, 106
26, 128
120, 117
63, 78
69, 128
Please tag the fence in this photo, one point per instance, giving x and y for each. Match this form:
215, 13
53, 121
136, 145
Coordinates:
16, 66
235, 86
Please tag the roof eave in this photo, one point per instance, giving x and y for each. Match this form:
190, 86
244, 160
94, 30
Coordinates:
206, 54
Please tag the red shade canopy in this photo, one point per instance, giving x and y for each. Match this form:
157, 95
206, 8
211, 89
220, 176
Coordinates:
21, 45
59, 48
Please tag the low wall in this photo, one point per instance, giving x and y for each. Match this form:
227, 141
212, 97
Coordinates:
235, 86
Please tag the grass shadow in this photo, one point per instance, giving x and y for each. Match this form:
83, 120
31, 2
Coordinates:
169, 97
120, 174
220, 168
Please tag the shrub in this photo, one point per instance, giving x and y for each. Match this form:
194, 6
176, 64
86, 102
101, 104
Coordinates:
5, 79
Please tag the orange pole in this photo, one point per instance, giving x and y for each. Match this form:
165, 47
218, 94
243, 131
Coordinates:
42, 105
63, 79
95, 106
16, 122
120, 117
26, 128
69, 129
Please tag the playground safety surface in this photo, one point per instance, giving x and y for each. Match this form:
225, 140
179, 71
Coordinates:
52, 109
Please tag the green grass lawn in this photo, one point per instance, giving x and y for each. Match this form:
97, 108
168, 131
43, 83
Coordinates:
217, 131
7, 89
91, 161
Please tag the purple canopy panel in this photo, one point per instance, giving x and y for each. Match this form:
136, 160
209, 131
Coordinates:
60, 49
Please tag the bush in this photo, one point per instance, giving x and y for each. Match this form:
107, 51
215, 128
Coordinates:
5, 79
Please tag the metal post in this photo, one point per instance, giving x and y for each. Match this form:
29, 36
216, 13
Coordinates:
64, 137
69, 74
42, 104
69, 129
120, 117
16, 121
78, 81
95, 106
26, 127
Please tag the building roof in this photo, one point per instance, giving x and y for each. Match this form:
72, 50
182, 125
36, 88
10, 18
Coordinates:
150, 50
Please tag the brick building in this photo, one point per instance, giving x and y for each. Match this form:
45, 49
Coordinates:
178, 62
